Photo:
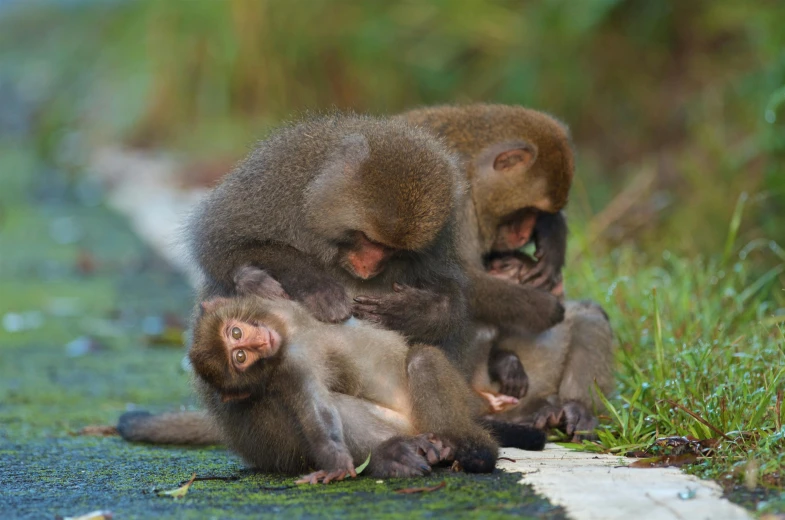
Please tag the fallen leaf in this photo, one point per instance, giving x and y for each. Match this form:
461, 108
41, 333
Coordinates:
664, 461
98, 430
93, 515
410, 491
179, 492
359, 469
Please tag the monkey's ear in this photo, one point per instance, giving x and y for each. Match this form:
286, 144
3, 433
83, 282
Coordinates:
521, 158
212, 304
505, 158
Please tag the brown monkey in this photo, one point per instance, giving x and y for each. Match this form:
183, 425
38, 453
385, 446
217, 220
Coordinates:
563, 363
350, 214
254, 349
519, 164
358, 375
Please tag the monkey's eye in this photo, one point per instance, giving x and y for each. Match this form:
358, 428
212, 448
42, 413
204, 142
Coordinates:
237, 333
240, 356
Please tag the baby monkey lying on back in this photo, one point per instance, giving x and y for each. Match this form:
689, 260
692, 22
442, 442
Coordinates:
254, 354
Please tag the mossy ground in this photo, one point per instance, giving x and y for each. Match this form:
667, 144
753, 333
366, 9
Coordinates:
77, 292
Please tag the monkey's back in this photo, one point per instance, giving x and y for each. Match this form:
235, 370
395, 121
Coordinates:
264, 199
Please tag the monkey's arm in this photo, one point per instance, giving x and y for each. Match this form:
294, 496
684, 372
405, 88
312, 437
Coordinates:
302, 277
431, 316
499, 302
550, 236
320, 423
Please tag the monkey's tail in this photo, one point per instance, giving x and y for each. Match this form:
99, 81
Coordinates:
511, 435
183, 428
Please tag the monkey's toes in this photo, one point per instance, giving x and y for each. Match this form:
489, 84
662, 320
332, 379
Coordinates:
325, 477
579, 421
405, 457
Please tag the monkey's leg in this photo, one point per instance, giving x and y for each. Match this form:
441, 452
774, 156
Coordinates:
387, 436
185, 428
440, 405
590, 359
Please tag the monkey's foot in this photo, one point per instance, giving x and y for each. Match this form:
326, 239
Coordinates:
408, 456
325, 477
573, 417
499, 403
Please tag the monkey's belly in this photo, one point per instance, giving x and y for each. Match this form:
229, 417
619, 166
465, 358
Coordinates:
395, 419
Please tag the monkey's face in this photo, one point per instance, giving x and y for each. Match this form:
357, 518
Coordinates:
515, 231
363, 257
236, 341
246, 343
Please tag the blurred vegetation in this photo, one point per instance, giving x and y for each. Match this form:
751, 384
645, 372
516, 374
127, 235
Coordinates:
683, 101
677, 109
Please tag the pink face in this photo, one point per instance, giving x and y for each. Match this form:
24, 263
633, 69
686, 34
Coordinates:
247, 343
367, 258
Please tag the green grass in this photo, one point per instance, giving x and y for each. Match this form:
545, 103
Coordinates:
702, 333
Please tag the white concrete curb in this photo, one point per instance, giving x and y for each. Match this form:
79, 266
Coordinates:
601, 487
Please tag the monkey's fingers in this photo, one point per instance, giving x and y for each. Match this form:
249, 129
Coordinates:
338, 474
367, 300
499, 403
312, 478
548, 417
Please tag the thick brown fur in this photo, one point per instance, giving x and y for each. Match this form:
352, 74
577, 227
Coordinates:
415, 390
540, 178
498, 201
303, 200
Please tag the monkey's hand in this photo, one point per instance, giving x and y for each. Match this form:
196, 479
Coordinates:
508, 267
498, 403
505, 367
250, 280
325, 298
550, 236
407, 309
408, 456
338, 469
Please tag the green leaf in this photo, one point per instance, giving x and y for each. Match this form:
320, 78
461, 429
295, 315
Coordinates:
359, 469
182, 490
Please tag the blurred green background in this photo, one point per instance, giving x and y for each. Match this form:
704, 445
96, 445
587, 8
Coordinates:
676, 107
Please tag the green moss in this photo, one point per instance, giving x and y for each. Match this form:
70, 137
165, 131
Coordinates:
46, 395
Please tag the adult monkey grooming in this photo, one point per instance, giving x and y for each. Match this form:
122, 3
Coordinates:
519, 163
336, 207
